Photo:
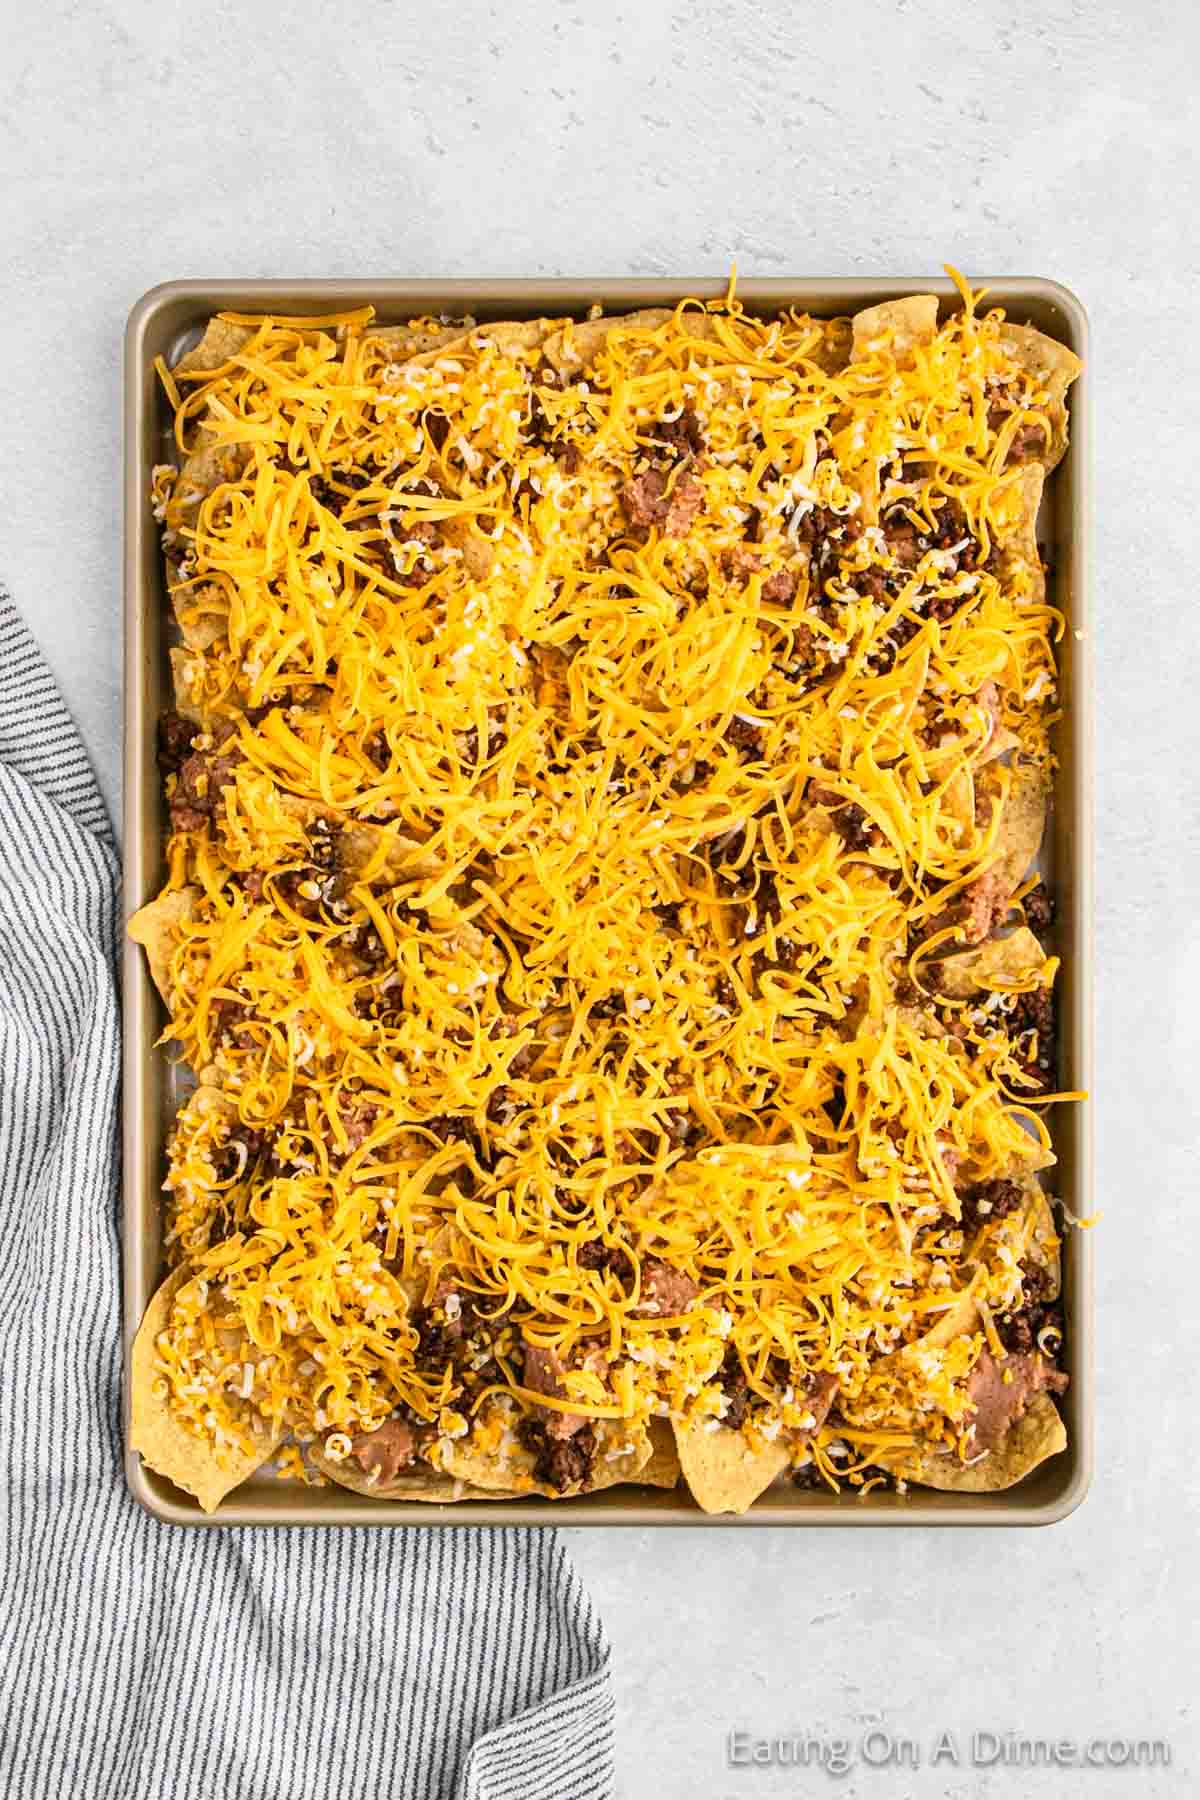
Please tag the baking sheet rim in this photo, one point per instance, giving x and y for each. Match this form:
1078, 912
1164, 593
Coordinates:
196, 299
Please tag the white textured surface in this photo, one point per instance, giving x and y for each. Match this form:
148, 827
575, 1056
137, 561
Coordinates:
144, 141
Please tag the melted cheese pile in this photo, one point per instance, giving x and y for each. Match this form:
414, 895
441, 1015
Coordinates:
604, 967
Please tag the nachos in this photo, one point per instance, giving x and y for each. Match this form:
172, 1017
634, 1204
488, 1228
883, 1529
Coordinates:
607, 769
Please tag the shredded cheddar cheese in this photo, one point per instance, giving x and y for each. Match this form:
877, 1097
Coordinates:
591, 743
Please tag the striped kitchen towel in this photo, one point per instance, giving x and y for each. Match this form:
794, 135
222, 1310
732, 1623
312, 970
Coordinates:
141, 1660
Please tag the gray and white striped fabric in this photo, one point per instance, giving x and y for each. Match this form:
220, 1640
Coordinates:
141, 1660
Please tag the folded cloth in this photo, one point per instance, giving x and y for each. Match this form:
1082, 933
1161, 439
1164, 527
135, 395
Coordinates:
141, 1659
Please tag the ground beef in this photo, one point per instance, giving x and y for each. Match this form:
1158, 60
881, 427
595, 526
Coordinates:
201, 780
648, 503
855, 829
228, 1162
736, 1389
559, 1463
437, 1341
743, 735
1032, 1017
1020, 1327
665, 1290
684, 436
1039, 908
988, 1201
358, 1119
740, 563
901, 538
780, 588
595, 1254
176, 736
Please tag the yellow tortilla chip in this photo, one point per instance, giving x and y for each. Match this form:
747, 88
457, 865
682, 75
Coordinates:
162, 1442
1022, 820
420, 1483
221, 341
895, 325
156, 928
998, 963
663, 1467
574, 347
1036, 1435
724, 1471
622, 1452
1054, 368
399, 343
404, 859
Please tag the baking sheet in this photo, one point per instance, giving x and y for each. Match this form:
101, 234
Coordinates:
162, 323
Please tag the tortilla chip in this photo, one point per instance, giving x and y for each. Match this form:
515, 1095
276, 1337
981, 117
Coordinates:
1022, 819
895, 325
509, 1468
1044, 1241
1054, 368
723, 1470
221, 341
663, 1468
997, 962
512, 337
419, 1483
1036, 1435
157, 1435
960, 1320
156, 928
401, 342
407, 859
573, 348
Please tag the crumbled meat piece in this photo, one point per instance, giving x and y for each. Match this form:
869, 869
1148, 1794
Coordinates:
736, 1389
202, 779
176, 736
740, 563
1032, 1019
647, 502
665, 1290
684, 435
1028, 440
358, 1118
382, 1453
1000, 1392
560, 1463
595, 1254
1020, 1328
228, 1162
743, 735
988, 1201
780, 588
1039, 908
855, 829
900, 536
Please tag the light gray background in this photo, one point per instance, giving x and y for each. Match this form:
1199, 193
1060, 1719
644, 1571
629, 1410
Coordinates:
147, 140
